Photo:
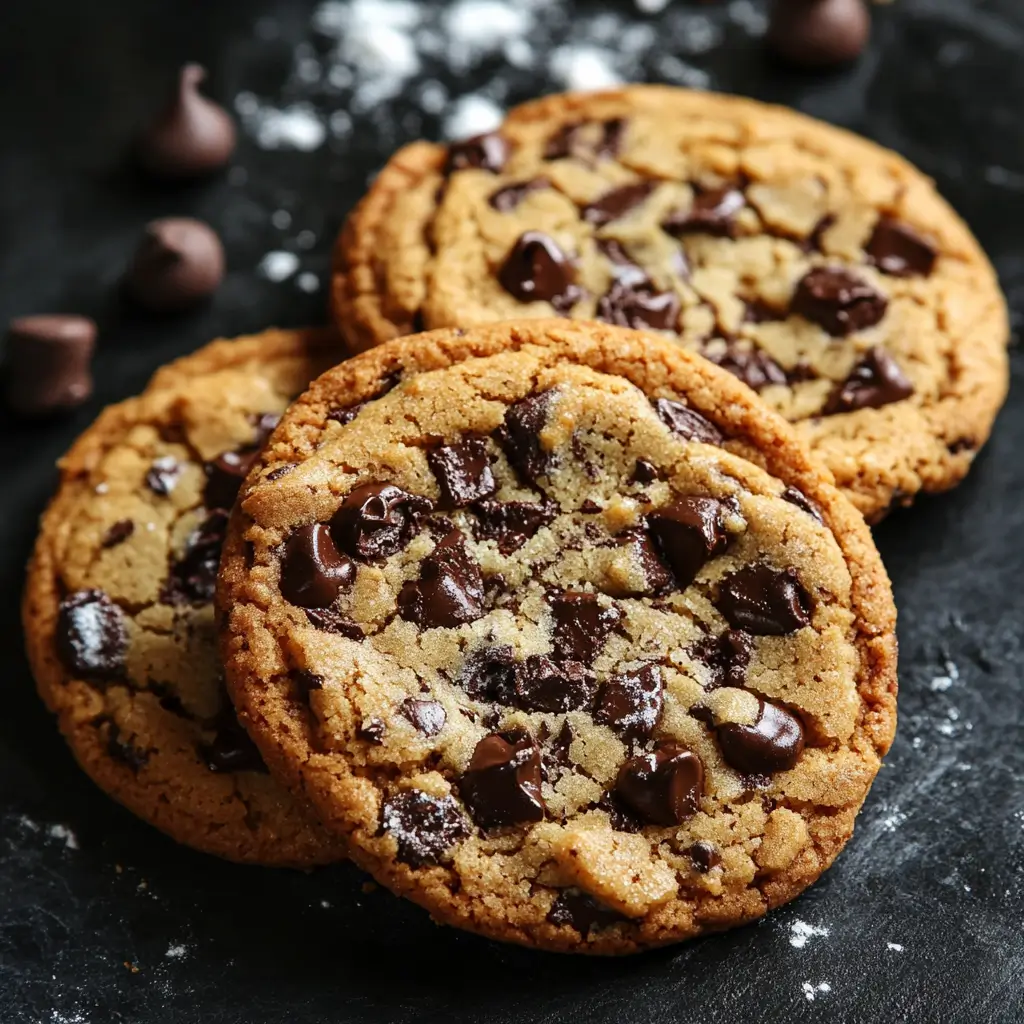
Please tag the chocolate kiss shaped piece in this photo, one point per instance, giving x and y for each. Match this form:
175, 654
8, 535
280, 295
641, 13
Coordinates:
179, 262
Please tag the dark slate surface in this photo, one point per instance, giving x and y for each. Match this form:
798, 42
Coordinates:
110, 921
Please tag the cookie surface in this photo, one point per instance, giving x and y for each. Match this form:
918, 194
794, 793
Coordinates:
820, 269
563, 630
118, 609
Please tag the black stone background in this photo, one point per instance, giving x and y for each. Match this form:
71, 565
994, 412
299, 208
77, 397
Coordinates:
935, 867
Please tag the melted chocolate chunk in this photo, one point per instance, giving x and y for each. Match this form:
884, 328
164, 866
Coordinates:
568, 141
772, 744
506, 199
512, 523
502, 784
617, 203
704, 855
117, 533
463, 472
490, 674
330, 620
372, 730
631, 703
224, 476
689, 425
875, 381
581, 626
346, 416
797, 497
306, 682
426, 715
555, 687
450, 590
663, 787
636, 304
425, 827
726, 655
486, 152
581, 911
713, 213
838, 301
644, 472
897, 249
231, 749
377, 520
519, 436
313, 572
764, 601
120, 749
162, 476
688, 533
558, 749
193, 578
754, 367
657, 577
536, 269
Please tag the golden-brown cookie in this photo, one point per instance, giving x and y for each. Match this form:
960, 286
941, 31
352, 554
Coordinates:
820, 269
563, 630
118, 606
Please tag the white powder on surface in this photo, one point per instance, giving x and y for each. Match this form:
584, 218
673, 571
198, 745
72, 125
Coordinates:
812, 991
651, 6
476, 28
63, 833
278, 265
298, 126
176, 952
471, 115
582, 68
895, 947
281, 219
307, 282
800, 933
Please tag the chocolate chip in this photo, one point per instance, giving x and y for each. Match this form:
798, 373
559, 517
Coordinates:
637, 304
376, 520
426, 715
117, 533
751, 365
688, 533
757, 312
554, 687
519, 436
617, 203
486, 152
450, 590
630, 703
330, 620
506, 199
772, 744
581, 911
192, 136
179, 262
313, 572
962, 444
536, 269
656, 577
224, 477
193, 578
590, 507
490, 674
623, 265
463, 472
726, 655
797, 497
47, 364
704, 855
875, 381
838, 301
231, 749
92, 638
713, 213
346, 416
568, 141
764, 601
558, 750
371, 730
306, 682
120, 749
425, 827
689, 425
818, 33
580, 625
663, 787
897, 249
512, 523
502, 784
162, 475
644, 472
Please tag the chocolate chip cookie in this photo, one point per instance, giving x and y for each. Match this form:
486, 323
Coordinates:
564, 630
118, 608
823, 271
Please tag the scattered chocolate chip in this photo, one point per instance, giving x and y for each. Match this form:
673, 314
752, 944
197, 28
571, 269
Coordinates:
962, 444
663, 787
313, 572
346, 416
631, 702
704, 855
816, 239
490, 674
47, 364
372, 730
637, 304
838, 300
875, 381
92, 638
120, 749
179, 262
688, 533
818, 33
376, 520
502, 784
558, 749
726, 655
193, 578
307, 682
231, 749
536, 269
644, 472
426, 715
772, 744
506, 199
620, 817
689, 425
224, 477
425, 827
486, 152
897, 249
117, 533
580, 625
581, 911
512, 523
519, 436
644, 552
568, 141
713, 213
617, 203
797, 497
162, 476
750, 364
555, 687
590, 507
450, 590
330, 620
764, 601
192, 136
463, 472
